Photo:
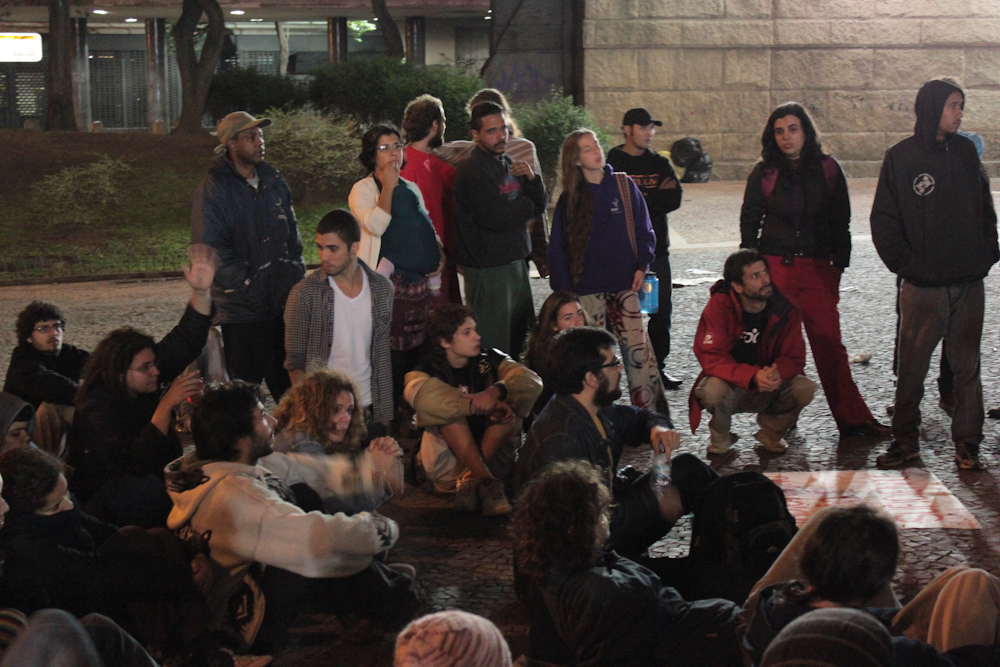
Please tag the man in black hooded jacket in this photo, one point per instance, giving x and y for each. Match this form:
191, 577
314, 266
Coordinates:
934, 226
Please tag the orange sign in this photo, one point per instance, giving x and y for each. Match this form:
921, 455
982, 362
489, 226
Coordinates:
20, 47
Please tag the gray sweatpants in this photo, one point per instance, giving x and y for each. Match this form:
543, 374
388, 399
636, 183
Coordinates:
928, 314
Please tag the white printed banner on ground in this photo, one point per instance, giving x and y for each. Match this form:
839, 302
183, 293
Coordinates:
915, 498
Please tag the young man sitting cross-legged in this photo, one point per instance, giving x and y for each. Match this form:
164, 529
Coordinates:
470, 402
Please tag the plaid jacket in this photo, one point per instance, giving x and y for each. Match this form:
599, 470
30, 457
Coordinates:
309, 332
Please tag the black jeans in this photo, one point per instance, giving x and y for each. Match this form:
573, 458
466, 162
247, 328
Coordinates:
659, 322
255, 351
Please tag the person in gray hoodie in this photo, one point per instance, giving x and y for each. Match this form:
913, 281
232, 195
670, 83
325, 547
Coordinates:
934, 226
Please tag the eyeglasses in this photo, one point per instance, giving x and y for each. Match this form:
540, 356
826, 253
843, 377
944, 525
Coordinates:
385, 148
146, 368
615, 362
46, 328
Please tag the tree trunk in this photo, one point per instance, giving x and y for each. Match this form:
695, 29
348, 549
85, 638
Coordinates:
197, 71
390, 31
282, 28
59, 113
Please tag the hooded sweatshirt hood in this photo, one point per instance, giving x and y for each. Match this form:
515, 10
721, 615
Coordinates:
11, 408
929, 107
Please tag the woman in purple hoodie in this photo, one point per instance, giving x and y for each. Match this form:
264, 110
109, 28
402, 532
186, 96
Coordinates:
602, 244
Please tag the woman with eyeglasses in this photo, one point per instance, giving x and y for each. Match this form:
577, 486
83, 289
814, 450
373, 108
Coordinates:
121, 437
601, 246
397, 240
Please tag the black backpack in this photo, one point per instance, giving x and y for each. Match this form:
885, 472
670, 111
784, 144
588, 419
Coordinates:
740, 527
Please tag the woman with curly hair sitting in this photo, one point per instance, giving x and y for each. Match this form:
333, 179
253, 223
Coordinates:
321, 415
590, 606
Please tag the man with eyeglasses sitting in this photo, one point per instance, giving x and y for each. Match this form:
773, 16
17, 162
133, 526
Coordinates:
122, 435
583, 422
42, 367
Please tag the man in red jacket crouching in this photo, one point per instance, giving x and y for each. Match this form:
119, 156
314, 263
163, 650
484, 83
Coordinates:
752, 354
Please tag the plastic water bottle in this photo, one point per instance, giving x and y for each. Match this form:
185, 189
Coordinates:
649, 294
659, 475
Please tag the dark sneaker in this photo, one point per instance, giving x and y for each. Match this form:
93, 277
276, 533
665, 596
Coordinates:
670, 382
994, 413
897, 455
467, 497
495, 501
967, 457
872, 429
947, 406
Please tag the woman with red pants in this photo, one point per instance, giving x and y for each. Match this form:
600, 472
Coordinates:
797, 212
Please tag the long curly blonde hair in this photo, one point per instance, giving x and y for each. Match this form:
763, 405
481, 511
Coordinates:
579, 210
309, 407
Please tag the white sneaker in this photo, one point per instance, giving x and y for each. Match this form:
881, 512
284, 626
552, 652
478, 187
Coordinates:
467, 497
495, 502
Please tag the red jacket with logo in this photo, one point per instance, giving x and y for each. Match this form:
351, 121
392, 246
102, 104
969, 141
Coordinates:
781, 343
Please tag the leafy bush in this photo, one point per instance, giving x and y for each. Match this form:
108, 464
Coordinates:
316, 154
378, 89
82, 195
548, 122
240, 89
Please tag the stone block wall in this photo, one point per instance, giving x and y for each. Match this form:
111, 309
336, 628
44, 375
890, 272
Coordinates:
714, 69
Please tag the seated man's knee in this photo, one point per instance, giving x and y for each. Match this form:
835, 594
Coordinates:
803, 389
712, 392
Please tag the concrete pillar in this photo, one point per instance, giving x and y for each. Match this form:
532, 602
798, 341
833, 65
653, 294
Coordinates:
336, 39
81, 74
156, 75
416, 40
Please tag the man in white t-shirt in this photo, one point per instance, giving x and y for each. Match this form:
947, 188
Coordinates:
355, 342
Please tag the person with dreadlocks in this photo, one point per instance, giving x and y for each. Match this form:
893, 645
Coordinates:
601, 246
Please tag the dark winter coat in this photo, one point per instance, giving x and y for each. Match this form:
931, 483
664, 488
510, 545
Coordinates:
41, 376
933, 221
801, 216
256, 236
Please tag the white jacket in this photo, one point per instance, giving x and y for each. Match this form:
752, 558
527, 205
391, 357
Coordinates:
250, 523
374, 221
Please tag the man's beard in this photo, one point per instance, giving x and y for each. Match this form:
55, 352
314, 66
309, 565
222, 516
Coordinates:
605, 395
261, 447
436, 141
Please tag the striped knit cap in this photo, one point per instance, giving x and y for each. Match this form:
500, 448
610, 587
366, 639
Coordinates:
452, 639
837, 637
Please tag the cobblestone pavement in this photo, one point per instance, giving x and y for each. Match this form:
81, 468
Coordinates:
464, 561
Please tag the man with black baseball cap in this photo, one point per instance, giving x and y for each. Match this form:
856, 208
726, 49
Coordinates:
655, 177
243, 209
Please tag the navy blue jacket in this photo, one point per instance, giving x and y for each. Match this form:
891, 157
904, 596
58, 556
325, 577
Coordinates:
257, 239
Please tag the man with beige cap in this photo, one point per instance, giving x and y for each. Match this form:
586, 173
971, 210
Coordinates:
243, 209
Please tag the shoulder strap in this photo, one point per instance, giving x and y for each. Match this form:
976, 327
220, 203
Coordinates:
625, 189
767, 182
831, 171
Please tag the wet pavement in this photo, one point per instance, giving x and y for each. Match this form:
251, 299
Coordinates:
464, 561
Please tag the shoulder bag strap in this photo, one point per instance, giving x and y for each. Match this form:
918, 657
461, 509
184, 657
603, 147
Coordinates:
625, 189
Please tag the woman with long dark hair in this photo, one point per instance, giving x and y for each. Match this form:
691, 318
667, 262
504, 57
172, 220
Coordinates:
797, 213
601, 246
561, 310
